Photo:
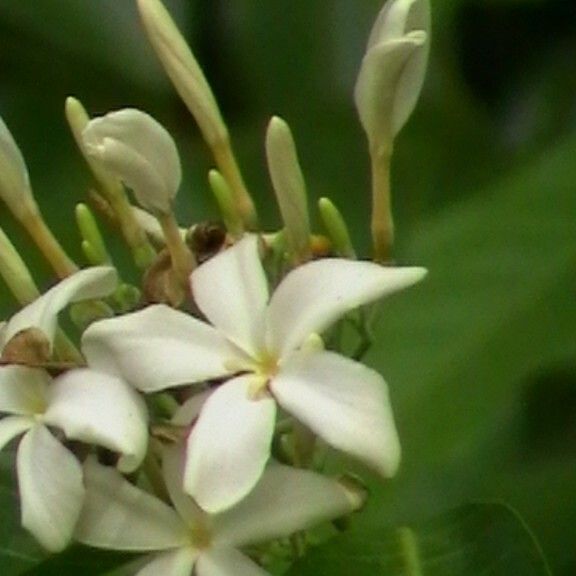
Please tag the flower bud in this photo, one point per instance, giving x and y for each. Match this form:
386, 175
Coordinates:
14, 180
183, 69
336, 228
134, 147
393, 69
289, 186
15, 273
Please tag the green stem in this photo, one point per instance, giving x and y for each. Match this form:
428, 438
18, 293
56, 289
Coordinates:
382, 222
410, 552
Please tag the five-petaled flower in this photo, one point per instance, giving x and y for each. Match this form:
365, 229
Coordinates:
119, 516
84, 404
265, 345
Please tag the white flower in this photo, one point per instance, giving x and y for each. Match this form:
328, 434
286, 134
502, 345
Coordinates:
263, 343
137, 149
393, 69
183, 538
86, 405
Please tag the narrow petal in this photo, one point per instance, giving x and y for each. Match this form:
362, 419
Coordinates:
227, 562
315, 295
179, 562
51, 490
43, 313
345, 403
100, 409
284, 501
118, 516
23, 390
12, 426
157, 348
173, 464
229, 445
232, 291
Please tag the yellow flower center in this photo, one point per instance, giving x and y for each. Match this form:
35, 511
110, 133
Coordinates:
200, 537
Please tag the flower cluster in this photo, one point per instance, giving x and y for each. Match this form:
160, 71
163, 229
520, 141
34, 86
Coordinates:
188, 415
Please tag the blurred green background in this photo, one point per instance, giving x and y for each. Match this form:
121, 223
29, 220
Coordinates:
481, 358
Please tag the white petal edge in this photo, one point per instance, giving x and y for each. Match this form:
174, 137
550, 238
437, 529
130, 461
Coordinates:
157, 348
12, 426
145, 137
188, 412
227, 562
173, 464
232, 291
23, 390
100, 409
284, 501
43, 313
179, 562
315, 295
136, 172
345, 403
118, 516
229, 445
51, 490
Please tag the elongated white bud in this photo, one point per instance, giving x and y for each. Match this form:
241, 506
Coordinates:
183, 69
289, 186
15, 187
393, 69
137, 149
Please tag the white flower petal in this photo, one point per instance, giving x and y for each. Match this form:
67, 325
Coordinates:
23, 390
157, 348
227, 562
100, 409
51, 490
12, 426
131, 144
232, 291
179, 562
315, 295
190, 410
118, 516
173, 463
229, 445
136, 173
345, 403
383, 82
85, 284
284, 501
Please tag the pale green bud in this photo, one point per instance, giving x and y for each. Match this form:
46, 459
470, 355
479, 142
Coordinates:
92, 241
393, 70
336, 228
78, 119
225, 199
183, 69
289, 186
134, 147
15, 187
15, 273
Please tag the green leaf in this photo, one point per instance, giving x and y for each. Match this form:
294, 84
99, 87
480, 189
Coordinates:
461, 352
473, 540
80, 560
496, 309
